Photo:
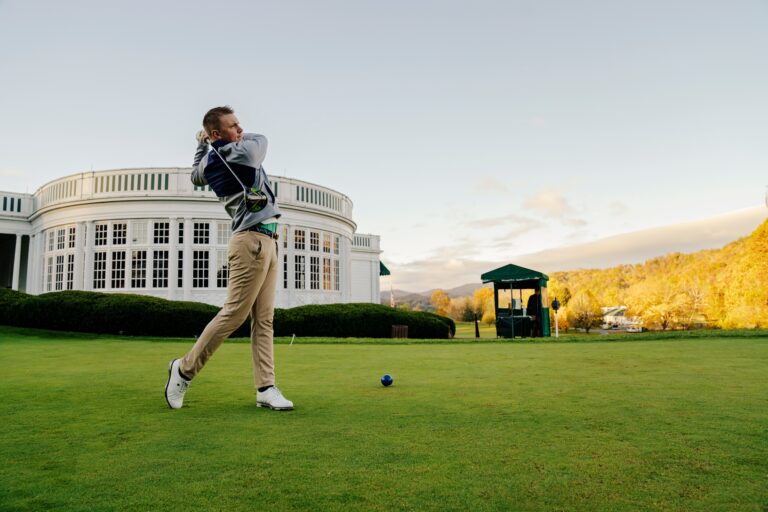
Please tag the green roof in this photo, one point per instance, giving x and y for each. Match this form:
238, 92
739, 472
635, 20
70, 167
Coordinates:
383, 271
512, 273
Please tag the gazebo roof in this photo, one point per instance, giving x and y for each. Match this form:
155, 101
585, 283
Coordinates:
512, 273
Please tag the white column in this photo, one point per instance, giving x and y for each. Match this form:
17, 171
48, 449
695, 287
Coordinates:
32, 260
80, 255
375, 281
38, 266
90, 236
346, 268
187, 289
16, 263
33, 278
290, 292
173, 257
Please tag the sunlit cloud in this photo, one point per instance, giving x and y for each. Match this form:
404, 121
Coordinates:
575, 223
550, 203
617, 208
491, 184
519, 223
427, 274
447, 268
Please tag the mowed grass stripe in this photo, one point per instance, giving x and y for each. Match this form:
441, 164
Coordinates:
649, 425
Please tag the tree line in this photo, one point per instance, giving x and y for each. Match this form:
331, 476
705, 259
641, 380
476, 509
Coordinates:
716, 288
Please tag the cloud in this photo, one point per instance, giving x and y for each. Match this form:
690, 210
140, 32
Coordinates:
575, 223
447, 268
617, 208
639, 246
520, 224
551, 203
422, 275
491, 184
458, 250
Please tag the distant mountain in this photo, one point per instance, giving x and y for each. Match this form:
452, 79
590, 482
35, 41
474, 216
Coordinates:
401, 296
464, 290
423, 298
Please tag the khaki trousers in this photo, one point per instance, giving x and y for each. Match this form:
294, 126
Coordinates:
251, 289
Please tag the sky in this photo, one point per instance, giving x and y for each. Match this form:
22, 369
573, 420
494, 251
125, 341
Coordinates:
466, 133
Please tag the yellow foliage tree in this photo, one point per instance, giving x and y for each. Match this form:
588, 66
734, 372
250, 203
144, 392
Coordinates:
584, 311
441, 302
482, 303
489, 317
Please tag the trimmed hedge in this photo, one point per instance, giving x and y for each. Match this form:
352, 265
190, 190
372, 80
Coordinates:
141, 315
359, 320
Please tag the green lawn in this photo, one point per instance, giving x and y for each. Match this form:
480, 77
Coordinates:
638, 425
467, 330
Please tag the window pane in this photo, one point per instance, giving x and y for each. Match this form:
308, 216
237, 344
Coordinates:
160, 269
139, 269
222, 272
201, 233
314, 273
199, 269
299, 272
119, 233
118, 269
99, 270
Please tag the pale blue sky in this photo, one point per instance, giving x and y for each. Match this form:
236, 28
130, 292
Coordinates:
463, 131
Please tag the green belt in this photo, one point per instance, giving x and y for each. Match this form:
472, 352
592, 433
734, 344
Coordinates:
272, 226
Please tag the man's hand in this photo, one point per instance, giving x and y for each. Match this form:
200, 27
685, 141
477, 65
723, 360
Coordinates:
202, 137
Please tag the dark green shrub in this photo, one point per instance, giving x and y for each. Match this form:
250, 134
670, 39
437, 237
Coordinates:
141, 315
358, 320
447, 321
10, 304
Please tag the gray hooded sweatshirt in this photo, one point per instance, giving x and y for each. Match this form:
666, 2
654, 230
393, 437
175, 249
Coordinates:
244, 158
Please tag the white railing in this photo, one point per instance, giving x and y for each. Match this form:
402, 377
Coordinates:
16, 205
175, 182
365, 242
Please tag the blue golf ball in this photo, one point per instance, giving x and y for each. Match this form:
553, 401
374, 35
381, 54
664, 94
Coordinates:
386, 380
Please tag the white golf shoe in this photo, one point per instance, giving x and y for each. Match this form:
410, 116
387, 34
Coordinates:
176, 386
273, 399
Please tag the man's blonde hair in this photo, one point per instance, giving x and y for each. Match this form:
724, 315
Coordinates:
212, 119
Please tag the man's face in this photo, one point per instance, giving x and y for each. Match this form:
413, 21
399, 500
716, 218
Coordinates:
230, 129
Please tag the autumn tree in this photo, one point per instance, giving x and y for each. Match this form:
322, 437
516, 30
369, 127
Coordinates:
482, 303
489, 317
441, 302
584, 311
461, 309
691, 303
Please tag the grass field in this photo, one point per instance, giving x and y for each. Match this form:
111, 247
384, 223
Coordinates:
467, 330
639, 425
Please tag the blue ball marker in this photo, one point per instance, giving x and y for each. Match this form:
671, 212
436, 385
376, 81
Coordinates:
386, 380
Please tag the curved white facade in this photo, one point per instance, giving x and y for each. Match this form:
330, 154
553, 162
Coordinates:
150, 231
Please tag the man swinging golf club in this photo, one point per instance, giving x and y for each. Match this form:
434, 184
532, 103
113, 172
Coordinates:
233, 170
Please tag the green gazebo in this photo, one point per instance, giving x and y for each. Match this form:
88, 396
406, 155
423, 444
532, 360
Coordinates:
514, 319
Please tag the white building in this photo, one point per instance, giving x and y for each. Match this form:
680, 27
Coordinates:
150, 231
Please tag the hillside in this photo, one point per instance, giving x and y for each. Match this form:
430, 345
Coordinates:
725, 287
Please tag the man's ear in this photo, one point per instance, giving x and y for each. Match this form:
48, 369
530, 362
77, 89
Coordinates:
214, 135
